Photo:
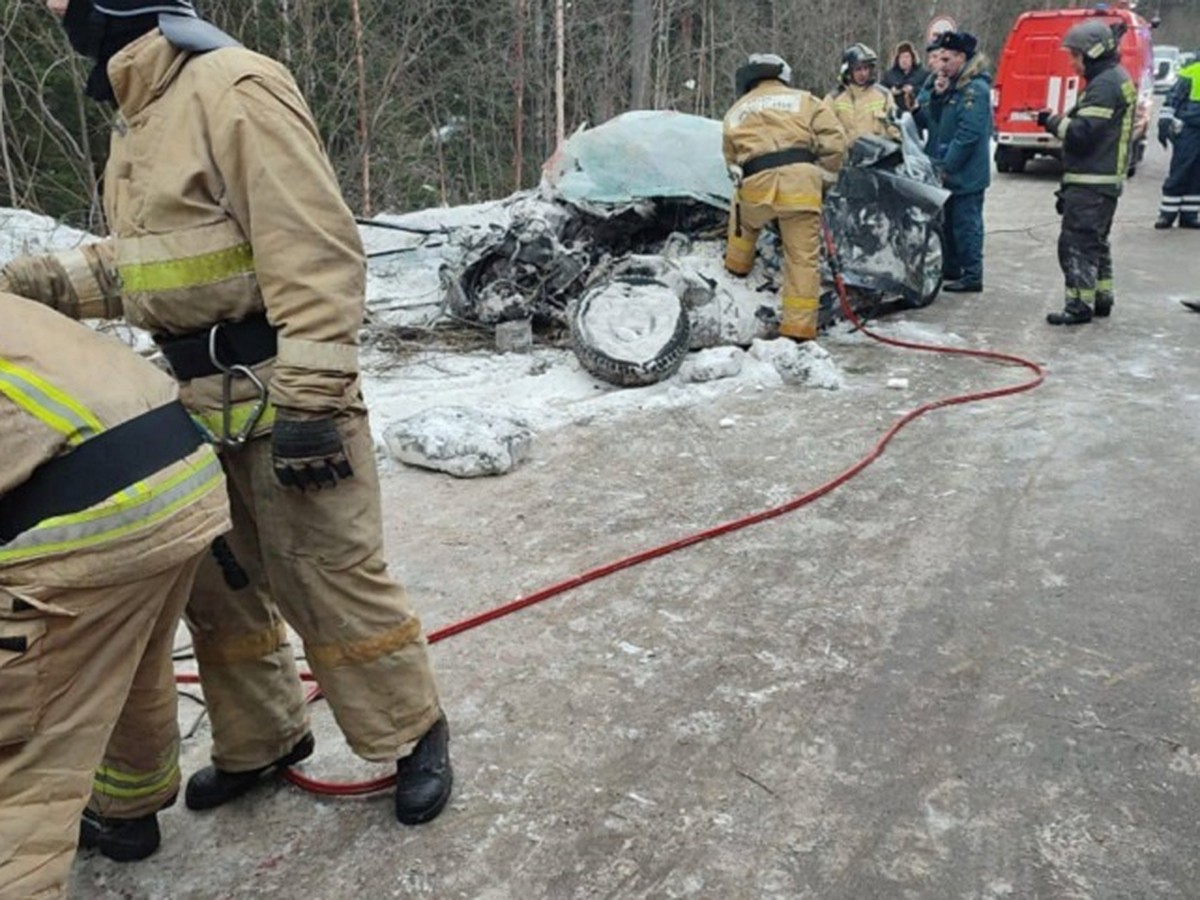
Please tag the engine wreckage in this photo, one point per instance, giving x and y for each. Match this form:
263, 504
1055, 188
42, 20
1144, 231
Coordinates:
622, 245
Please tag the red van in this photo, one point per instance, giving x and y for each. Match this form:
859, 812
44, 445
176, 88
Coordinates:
1035, 73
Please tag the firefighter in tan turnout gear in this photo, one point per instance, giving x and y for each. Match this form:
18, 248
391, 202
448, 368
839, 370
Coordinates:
862, 104
108, 499
779, 144
232, 245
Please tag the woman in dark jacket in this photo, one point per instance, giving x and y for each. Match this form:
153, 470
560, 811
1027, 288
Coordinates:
906, 76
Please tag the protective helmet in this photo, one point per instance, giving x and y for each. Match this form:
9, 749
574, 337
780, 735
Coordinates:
1093, 38
759, 67
857, 55
97, 28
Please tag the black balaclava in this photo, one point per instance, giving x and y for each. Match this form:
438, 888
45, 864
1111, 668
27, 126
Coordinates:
100, 37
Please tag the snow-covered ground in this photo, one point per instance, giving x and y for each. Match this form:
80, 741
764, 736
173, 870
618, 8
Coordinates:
539, 390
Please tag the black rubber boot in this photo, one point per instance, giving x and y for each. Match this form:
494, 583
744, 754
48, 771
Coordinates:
963, 287
1189, 221
424, 778
1164, 221
1104, 305
1076, 312
212, 787
121, 840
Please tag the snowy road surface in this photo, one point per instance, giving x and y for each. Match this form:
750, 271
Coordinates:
970, 673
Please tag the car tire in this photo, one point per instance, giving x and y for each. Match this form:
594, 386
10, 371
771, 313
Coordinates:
1010, 160
614, 347
932, 265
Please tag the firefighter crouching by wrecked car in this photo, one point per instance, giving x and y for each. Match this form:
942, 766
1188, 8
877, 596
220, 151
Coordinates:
863, 106
782, 146
108, 498
1096, 138
234, 247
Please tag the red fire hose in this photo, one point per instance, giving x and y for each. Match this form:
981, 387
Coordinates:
561, 587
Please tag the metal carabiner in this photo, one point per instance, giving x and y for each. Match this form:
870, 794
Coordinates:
228, 373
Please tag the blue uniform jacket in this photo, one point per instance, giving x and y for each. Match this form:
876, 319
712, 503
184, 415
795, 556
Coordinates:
959, 123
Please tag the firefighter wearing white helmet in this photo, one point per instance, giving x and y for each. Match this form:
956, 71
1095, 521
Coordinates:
862, 105
1096, 135
782, 145
236, 251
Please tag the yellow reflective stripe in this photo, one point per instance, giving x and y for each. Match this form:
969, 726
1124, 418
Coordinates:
1096, 112
118, 517
1104, 285
114, 783
212, 422
1061, 131
848, 105
1130, 95
1077, 178
173, 274
800, 303
47, 403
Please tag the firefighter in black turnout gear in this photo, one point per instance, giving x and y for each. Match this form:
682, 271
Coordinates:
1096, 138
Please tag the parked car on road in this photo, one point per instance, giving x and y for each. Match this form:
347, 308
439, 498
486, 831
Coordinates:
1167, 63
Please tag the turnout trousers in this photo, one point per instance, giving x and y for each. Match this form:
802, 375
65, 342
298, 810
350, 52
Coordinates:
799, 232
315, 562
87, 709
962, 249
1083, 249
1181, 189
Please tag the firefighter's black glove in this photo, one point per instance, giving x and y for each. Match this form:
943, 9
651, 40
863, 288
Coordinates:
308, 453
1164, 131
1043, 117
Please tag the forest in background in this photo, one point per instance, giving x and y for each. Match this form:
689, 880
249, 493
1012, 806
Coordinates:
430, 102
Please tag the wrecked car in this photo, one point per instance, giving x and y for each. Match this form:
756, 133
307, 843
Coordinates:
621, 246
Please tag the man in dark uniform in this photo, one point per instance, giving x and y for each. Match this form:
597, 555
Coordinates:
1179, 125
955, 109
1095, 135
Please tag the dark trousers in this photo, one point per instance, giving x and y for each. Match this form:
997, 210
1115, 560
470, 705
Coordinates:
962, 250
1083, 251
1181, 190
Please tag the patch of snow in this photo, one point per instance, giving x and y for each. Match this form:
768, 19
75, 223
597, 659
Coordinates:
898, 329
807, 364
712, 364
545, 389
541, 390
460, 441
23, 232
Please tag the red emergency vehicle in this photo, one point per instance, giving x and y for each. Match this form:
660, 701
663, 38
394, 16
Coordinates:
1035, 73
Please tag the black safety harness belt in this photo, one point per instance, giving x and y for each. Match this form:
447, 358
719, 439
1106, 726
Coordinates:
99, 467
245, 343
778, 158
